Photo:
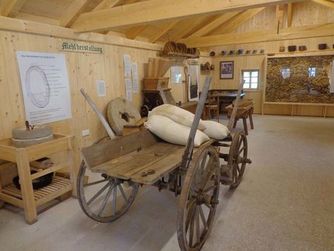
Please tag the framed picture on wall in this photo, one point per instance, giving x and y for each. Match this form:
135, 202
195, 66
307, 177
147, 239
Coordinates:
226, 69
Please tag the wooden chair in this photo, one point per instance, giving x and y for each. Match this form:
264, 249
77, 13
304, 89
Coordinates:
211, 107
245, 110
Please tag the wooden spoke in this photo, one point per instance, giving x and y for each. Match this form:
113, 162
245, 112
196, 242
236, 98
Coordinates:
122, 192
96, 182
201, 213
114, 202
98, 193
106, 209
237, 158
201, 187
103, 206
198, 233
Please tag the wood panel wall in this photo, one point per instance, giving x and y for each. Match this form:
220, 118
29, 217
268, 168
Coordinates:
83, 71
258, 62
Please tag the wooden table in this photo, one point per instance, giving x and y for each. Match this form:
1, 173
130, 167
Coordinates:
28, 198
225, 96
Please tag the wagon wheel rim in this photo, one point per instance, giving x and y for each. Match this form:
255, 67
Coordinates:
198, 200
238, 158
105, 199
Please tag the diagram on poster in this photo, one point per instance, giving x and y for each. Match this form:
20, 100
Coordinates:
45, 86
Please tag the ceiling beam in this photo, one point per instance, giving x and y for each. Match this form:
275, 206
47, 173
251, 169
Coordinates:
104, 4
329, 4
133, 32
72, 12
290, 14
214, 24
47, 30
239, 19
162, 31
279, 17
262, 36
160, 10
10, 8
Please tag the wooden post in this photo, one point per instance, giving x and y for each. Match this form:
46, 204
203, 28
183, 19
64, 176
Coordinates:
27, 191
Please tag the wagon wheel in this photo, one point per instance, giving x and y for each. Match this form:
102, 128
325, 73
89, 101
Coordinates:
105, 199
198, 200
237, 159
94, 196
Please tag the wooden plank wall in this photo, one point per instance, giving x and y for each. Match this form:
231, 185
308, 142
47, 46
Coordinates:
258, 62
83, 71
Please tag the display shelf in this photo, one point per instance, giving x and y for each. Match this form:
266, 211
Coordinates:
28, 198
58, 187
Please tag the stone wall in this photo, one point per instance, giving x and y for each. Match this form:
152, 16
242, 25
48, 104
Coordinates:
299, 87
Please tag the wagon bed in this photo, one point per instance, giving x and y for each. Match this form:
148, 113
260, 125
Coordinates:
140, 157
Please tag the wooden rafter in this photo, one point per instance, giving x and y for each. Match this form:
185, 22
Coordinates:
104, 4
214, 24
10, 8
290, 14
262, 36
133, 32
162, 31
236, 21
160, 10
31, 27
189, 26
72, 12
279, 17
329, 4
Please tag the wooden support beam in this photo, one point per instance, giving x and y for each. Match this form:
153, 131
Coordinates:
186, 27
133, 32
104, 4
159, 10
36, 28
40, 19
236, 21
290, 14
72, 12
10, 8
219, 21
163, 30
329, 4
279, 17
262, 36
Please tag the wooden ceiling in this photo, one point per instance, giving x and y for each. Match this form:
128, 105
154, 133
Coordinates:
200, 23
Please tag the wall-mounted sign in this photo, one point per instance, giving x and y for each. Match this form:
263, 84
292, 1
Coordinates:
45, 86
80, 47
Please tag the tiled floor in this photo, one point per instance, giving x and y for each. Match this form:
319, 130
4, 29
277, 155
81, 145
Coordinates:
285, 202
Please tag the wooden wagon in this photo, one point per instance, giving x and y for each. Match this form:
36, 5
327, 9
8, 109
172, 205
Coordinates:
124, 164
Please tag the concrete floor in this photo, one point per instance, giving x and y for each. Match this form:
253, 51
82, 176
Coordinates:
285, 202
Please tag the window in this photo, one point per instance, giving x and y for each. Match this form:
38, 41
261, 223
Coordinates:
312, 71
251, 79
286, 73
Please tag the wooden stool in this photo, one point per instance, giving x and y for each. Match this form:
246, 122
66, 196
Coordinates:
245, 110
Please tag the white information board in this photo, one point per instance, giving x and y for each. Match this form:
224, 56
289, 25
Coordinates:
135, 81
127, 65
45, 86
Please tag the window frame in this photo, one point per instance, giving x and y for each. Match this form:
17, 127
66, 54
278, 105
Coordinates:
250, 84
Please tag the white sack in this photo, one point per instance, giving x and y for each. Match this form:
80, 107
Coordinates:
176, 114
172, 132
215, 130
